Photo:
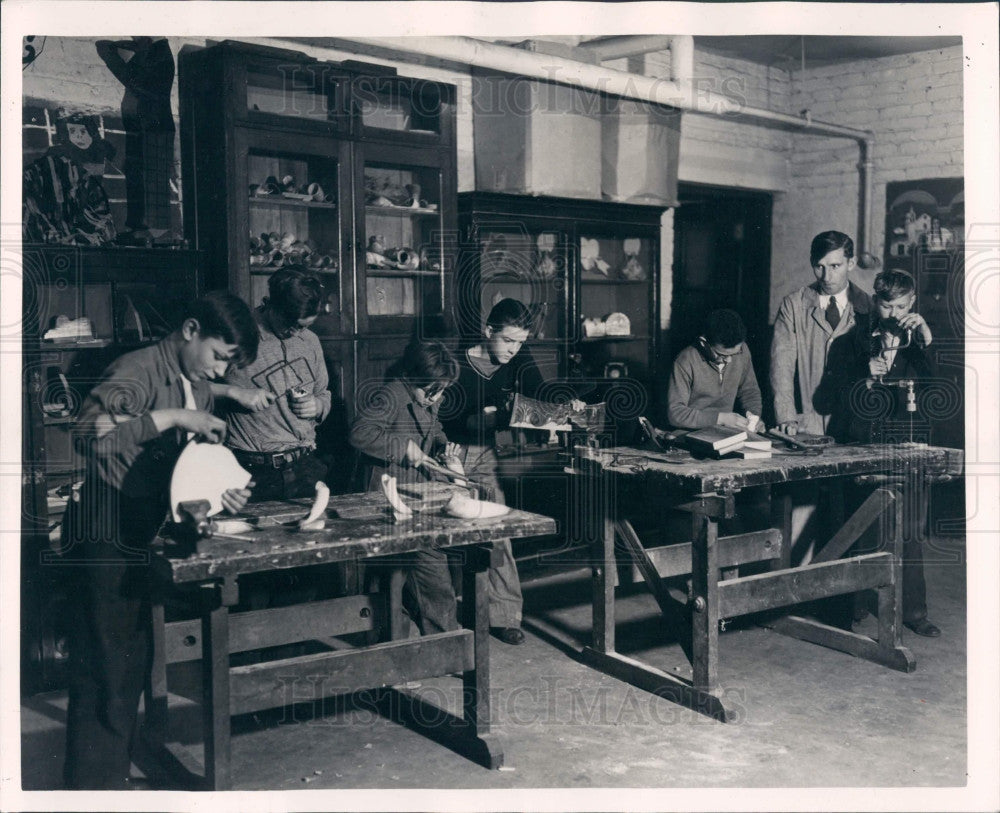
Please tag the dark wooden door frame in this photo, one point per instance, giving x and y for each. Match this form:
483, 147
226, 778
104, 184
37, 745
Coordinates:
758, 233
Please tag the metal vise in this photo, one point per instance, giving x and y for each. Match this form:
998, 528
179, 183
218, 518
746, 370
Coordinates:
194, 517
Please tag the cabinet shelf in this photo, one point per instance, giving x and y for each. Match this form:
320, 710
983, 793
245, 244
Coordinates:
88, 344
401, 211
289, 203
585, 281
267, 270
630, 338
392, 272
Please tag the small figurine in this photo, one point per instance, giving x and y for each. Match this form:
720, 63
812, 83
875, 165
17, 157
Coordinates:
590, 259
633, 269
546, 266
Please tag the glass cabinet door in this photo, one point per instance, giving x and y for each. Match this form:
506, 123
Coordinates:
528, 265
390, 108
294, 92
294, 217
616, 303
404, 243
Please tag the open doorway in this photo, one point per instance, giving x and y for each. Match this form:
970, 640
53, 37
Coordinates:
722, 259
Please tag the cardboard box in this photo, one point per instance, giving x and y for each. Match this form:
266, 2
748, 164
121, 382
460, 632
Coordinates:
536, 138
640, 145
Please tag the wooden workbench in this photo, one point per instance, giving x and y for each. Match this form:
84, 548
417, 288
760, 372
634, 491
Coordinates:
706, 489
205, 577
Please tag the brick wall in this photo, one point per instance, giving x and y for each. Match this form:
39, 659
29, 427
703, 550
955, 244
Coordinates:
724, 150
912, 103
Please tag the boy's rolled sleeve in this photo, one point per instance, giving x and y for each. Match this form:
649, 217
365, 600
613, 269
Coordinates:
122, 400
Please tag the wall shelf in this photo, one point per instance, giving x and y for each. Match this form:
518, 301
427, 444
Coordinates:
289, 203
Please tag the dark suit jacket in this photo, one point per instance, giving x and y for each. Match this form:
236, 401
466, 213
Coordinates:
866, 414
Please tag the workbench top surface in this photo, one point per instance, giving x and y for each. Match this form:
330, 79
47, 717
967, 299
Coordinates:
697, 476
357, 526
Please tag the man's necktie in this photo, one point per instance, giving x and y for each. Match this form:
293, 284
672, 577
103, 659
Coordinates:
833, 313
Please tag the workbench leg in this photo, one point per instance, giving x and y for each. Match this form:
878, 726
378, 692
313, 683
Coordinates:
781, 518
486, 746
215, 692
603, 574
705, 605
602, 656
890, 596
154, 728
399, 622
886, 508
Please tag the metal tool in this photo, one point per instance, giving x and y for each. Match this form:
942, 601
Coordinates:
485, 491
812, 449
907, 384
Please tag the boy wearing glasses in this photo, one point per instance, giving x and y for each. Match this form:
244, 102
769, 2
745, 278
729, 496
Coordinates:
397, 432
712, 375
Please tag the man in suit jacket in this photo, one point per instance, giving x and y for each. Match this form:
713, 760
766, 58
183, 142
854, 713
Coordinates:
809, 322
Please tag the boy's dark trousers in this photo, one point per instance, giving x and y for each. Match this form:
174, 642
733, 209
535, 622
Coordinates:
106, 537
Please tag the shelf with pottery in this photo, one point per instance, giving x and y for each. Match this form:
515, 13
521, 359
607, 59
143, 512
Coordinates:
80, 344
289, 203
400, 272
603, 281
631, 337
402, 211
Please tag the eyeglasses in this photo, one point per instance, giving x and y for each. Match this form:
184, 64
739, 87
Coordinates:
433, 390
721, 355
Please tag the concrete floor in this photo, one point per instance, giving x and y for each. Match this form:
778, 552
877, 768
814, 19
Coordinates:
809, 716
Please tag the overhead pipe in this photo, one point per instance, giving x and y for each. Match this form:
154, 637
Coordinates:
681, 49
605, 48
672, 93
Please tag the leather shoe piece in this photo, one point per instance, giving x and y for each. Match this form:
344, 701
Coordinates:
923, 627
509, 635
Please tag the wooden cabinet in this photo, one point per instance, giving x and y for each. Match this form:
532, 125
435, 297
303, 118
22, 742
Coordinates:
347, 169
575, 263
129, 297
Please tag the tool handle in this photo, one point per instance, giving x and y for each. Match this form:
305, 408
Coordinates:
779, 435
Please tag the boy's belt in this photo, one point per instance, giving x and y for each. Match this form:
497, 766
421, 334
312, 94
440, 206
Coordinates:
276, 460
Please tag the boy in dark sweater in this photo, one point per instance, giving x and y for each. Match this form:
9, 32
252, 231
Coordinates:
133, 426
477, 407
711, 375
890, 348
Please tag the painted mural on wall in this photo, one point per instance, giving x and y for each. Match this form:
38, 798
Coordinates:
106, 177
923, 216
64, 197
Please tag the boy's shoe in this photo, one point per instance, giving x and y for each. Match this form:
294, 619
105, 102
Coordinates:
923, 627
509, 635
